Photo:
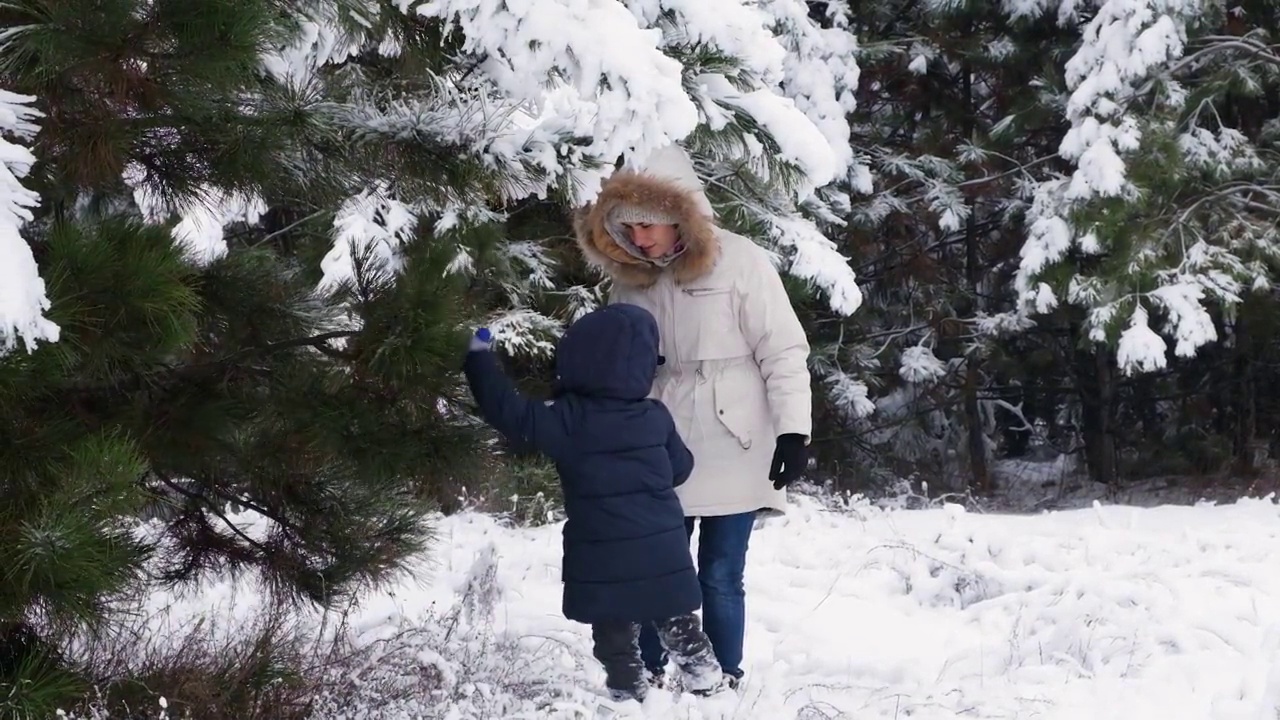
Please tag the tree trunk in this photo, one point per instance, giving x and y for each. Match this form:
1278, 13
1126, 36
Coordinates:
1096, 378
979, 471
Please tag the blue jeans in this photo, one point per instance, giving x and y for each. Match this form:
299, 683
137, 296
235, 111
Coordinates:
722, 558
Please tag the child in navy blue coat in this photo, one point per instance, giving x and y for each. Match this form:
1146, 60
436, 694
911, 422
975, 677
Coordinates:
619, 457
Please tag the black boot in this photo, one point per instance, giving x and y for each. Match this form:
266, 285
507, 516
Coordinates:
617, 649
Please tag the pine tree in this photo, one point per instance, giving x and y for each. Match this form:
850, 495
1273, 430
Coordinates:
247, 210
1170, 216
953, 123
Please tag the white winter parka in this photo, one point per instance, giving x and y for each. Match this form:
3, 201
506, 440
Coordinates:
736, 374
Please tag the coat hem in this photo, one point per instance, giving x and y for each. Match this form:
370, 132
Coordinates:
594, 618
734, 508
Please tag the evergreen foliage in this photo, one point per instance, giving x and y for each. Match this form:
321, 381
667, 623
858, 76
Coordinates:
201, 370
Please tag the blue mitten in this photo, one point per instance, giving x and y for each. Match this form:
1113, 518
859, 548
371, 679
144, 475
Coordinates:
482, 340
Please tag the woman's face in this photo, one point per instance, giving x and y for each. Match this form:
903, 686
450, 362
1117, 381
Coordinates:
654, 241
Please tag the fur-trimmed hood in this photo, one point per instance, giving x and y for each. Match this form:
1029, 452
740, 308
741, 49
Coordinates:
666, 182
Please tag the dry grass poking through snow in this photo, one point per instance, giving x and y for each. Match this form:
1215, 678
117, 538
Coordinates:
449, 664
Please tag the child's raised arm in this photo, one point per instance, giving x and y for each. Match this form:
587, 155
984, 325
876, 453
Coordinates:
529, 422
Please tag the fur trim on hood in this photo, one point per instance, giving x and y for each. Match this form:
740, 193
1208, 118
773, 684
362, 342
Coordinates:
668, 184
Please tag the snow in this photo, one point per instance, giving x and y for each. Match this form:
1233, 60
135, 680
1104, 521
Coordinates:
525, 332
857, 611
319, 42
1123, 44
799, 141
553, 93
1220, 153
821, 73
200, 231
738, 28
778, 46
23, 301
1190, 322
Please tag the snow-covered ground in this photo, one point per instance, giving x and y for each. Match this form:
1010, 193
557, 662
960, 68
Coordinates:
1106, 612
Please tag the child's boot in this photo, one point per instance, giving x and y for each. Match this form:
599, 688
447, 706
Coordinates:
691, 651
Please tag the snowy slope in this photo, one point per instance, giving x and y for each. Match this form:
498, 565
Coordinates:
1109, 612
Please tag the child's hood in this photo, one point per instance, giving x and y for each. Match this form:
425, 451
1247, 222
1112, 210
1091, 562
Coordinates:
609, 352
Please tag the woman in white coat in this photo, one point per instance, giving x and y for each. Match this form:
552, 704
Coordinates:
735, 375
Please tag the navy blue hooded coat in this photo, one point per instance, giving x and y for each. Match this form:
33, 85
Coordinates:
626, 551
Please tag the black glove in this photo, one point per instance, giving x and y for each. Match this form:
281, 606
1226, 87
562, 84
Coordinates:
790, 458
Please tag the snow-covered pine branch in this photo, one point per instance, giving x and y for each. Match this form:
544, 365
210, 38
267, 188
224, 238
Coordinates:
202, 217
1167, 204
590, 63
539, 100
23, 301
632, 77
1121, 46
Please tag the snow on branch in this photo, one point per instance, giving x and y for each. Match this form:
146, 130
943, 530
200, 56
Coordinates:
849, 395
920, 365
794, 82
794, 79
606, 71
321, 41
370, 224
525, 154
757, 37
203, 217
610, 71
526, 332
735, 28
1124, 46
820, 74
1140, 346
817, 259
373, 225
23, 301
799, 140
1120, 47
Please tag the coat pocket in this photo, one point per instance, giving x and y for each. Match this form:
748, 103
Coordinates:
731, 411
707, 291
708, 324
